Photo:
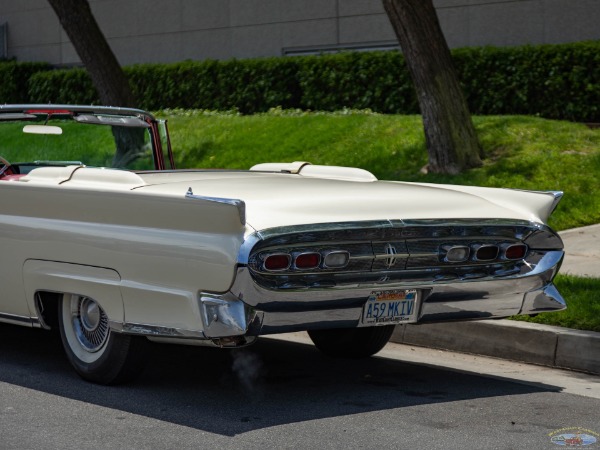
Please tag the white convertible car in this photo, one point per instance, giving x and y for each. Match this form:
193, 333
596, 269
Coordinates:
114, 257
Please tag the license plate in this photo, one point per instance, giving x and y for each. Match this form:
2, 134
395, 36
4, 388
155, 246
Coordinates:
390, 307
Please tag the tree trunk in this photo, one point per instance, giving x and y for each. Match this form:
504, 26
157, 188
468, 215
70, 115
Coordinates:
90, 44
109, 80
450, 136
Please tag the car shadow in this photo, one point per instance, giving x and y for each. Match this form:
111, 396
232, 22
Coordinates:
229, 392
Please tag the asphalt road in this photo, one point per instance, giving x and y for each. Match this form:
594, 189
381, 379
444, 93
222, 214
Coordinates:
282, 394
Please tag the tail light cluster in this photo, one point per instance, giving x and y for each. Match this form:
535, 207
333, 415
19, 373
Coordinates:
483, 252
332, 259
302, 260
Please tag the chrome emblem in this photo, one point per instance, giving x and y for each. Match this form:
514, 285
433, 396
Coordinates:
391, 259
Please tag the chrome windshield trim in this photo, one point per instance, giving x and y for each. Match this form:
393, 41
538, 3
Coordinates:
92, 109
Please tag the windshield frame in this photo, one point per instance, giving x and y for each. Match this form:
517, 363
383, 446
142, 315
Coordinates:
92, 115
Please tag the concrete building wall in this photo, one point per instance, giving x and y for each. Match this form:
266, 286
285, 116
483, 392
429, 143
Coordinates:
165, 31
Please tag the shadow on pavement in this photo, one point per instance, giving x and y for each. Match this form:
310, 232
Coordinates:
232, 392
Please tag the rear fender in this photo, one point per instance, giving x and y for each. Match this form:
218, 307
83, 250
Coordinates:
103, 285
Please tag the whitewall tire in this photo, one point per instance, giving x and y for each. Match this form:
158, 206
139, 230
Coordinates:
96, 353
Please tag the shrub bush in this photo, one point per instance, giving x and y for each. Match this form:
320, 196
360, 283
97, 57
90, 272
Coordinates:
15, 76
554, 81
62, 86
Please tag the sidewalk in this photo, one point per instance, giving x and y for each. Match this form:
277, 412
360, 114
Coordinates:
523, 341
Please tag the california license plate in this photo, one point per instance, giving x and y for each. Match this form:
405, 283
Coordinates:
391, 307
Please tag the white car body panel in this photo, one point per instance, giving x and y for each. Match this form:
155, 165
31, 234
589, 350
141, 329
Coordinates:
159, 246
164, 248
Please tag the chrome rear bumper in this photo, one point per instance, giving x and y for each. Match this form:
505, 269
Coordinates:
251, 310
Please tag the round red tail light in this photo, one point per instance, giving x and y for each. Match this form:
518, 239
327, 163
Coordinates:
307, 260
278, 261
517, 251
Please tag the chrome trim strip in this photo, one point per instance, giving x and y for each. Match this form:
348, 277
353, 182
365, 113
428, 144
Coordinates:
465, 222
154, 330
239, 204
558, 195
94, 109
252, 239
323, 227
20, 320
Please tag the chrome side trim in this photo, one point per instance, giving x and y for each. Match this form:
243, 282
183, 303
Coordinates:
20, 320
39, 310
558, 195
463, 222
323, 227
239, 204
235, 342
154, 330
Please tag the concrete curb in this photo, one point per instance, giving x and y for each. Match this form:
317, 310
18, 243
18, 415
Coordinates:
518, 341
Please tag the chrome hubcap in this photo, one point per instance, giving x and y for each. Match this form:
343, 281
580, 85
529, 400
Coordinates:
90, 323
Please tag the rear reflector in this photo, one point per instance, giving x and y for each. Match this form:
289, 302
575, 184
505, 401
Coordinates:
278, 261
517, 251
487, 253
308, 260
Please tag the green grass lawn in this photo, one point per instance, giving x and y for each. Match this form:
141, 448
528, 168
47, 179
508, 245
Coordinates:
519, 152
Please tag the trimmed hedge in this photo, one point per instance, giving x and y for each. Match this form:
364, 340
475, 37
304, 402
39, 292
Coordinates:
554, 81
15, 79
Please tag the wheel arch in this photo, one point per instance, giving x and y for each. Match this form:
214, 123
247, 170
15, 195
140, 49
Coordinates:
47, 281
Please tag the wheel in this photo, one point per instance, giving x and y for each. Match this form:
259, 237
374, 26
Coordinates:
352, 342
95, 352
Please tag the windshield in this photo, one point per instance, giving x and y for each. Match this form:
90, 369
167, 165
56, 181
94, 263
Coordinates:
30, 140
